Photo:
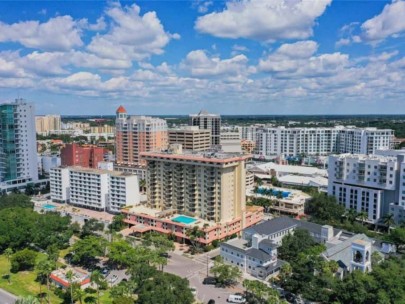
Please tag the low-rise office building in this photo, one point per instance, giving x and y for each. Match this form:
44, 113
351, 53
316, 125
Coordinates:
191, 138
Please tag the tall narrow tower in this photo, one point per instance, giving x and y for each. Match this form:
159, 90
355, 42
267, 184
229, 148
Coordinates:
18, 151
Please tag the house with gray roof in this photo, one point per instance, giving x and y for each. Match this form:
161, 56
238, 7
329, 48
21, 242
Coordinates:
256, 252
258, 259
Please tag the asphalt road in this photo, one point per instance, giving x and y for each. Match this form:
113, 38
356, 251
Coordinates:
6, 297
195, 271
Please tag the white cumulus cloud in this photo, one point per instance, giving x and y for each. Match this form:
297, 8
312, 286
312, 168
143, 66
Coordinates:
199, 64
389, 23
57, 34
263, 20
131, 35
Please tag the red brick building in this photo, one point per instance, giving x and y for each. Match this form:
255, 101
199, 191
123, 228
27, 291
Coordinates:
85, 156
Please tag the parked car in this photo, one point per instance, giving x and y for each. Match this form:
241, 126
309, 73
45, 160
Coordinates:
105, 272
236, 299
193, 291
113, 279
165, 255
209, 281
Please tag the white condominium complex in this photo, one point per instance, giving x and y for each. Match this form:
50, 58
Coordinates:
18, 148
374, 184
207, 121
93, 188
210, 186
47, 123
231, 140
321, 141
249, 132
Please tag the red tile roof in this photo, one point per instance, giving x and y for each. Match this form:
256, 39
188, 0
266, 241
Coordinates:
121, 109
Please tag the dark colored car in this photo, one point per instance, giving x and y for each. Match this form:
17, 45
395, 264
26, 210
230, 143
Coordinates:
165, 255
209, 281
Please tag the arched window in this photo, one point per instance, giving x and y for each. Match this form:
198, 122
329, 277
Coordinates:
357, 256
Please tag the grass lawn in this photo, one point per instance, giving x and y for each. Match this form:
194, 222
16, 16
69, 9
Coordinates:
23, 283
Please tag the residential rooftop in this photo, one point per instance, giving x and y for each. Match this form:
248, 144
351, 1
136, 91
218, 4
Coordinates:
203, 156
96, 171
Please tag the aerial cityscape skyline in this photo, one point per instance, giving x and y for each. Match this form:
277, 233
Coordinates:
202, 152
320, 57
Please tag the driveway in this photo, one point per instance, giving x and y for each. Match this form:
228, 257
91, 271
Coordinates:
195, 271
6, 297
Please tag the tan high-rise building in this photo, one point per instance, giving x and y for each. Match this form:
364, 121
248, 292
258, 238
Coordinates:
47, 123
207, 185
136, 134
191, 138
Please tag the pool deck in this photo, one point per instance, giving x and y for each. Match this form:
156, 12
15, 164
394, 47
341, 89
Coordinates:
75, 212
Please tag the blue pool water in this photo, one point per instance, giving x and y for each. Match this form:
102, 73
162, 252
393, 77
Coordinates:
49, 207
266, 191
184, 219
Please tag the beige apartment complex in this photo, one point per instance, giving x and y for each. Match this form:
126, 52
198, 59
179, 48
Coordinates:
191, 138
136, 134
207, 185
102, 129
47, 123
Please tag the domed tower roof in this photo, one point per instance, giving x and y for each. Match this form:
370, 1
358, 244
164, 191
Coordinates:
121, 109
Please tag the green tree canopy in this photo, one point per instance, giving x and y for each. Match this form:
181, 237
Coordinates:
86, 251
23, 260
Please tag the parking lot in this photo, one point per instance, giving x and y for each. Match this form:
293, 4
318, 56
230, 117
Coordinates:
195, 271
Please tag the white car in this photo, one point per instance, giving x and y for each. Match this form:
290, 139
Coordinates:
193, 291
113, 279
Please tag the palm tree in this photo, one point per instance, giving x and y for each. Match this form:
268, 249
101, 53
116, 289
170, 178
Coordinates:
78, 292
194, 234
363, 216
27, 300
8, 253
45, 269
97, 278
142, 185
69, 277
351, 215
388, 220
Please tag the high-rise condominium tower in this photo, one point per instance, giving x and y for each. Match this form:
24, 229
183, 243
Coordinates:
136, 134
18, 151
205, 120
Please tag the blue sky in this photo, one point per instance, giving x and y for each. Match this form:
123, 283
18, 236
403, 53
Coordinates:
229, 57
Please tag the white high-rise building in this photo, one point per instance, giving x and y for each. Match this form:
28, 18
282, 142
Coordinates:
321, 141
94, 188
18, 150
374, 184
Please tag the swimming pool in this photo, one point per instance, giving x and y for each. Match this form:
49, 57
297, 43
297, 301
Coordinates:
49, 207
273, 192
184, 219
